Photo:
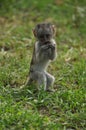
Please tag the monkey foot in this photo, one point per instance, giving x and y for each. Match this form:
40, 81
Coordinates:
50, 90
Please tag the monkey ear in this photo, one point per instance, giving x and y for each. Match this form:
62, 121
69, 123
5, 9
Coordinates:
34, 32
54, 29
36, 29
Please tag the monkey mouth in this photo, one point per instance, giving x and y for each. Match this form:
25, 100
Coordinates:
47, 42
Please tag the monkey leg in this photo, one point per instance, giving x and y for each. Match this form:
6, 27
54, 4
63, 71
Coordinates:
42, 80
39, 77
50, 80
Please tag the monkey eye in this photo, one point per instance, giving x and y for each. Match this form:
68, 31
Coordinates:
48, 35
41, 36
44, 36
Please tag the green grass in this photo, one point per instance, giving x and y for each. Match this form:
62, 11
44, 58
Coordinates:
65, 109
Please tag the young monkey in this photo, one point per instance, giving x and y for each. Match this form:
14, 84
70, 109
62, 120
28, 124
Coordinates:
44, 52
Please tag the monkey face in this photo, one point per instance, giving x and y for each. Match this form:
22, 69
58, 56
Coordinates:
45, 38
44, 32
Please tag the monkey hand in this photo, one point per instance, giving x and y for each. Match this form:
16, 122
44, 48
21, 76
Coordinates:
45, 47
52, 46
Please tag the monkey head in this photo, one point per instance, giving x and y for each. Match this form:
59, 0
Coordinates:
44, 32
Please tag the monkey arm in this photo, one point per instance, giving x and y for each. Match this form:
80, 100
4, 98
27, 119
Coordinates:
53, 53
52, 50
42, 52
46, 51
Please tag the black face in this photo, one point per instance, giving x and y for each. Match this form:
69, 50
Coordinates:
45, 37
44, 32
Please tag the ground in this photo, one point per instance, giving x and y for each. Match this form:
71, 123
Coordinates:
64, 109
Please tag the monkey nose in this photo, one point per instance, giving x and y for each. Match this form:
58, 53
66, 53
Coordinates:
45, 38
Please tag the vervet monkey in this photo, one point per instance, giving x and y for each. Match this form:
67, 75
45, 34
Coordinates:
44, 52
